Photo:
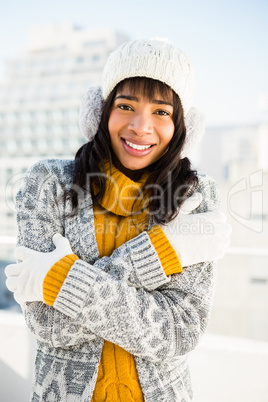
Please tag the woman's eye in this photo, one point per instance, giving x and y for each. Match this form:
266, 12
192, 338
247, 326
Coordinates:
124, 107
162, 113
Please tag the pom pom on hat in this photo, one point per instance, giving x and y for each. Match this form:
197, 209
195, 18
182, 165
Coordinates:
90, 112
195, 128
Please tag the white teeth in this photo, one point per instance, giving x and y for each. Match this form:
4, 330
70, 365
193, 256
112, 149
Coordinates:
135, 146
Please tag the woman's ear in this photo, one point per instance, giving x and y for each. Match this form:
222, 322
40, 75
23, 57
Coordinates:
90, 112
195, 128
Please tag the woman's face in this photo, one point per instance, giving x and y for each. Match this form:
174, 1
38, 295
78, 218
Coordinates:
140, 129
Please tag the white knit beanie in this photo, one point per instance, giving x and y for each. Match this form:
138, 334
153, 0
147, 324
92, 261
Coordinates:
157, 59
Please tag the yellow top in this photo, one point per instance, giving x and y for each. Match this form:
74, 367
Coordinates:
117, 219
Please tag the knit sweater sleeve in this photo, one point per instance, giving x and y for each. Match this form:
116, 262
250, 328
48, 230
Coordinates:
41, 213
58, 273
166, 253
176, 307
157, 325
55, 278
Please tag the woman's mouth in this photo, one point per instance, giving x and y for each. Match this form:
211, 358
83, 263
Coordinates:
137, 149
135, 146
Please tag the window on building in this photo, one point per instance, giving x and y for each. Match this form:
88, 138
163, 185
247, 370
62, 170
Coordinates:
57, 129
11, 147
65, 113
41, 116
57, 115
95, 58
41, 130
26, 147
26, 117
74, 128
65, 128
73, 113
41, 89
65, 63
9, 172
73, 88
34, 143
33, 115
49, 129
11, 118
26, 131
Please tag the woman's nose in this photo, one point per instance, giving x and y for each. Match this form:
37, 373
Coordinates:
141, 124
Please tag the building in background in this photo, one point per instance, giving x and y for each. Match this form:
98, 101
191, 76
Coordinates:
39, 103
236, 157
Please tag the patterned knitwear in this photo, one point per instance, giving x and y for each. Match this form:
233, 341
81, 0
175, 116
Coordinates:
154, 58
125, 298
117, 218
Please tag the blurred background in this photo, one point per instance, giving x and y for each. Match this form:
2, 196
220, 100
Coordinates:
50, 53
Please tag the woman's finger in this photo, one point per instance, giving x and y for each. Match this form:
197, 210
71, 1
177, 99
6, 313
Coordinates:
191, 203
56, 238
13, 269
61, 242
12, 283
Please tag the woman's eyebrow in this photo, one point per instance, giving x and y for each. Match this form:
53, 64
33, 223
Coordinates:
136, 99
128, 97
162, 102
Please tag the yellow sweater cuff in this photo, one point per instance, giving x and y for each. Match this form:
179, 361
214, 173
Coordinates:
166, 253
55, 278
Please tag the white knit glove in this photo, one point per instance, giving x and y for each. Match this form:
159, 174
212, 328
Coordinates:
26, 277
198, 237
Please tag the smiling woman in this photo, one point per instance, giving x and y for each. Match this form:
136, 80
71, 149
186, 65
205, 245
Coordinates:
117, 247
140, 128
143, 112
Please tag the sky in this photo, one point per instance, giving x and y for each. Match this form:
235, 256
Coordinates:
225, 40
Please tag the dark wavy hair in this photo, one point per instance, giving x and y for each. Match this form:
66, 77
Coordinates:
170, 173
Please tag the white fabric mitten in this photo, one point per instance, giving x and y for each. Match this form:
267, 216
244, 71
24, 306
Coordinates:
26, 277
198, 237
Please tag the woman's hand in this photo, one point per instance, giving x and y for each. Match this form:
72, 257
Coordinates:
26, 277
198, 237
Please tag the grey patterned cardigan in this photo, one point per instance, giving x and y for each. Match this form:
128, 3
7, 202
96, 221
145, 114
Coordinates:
126, 298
